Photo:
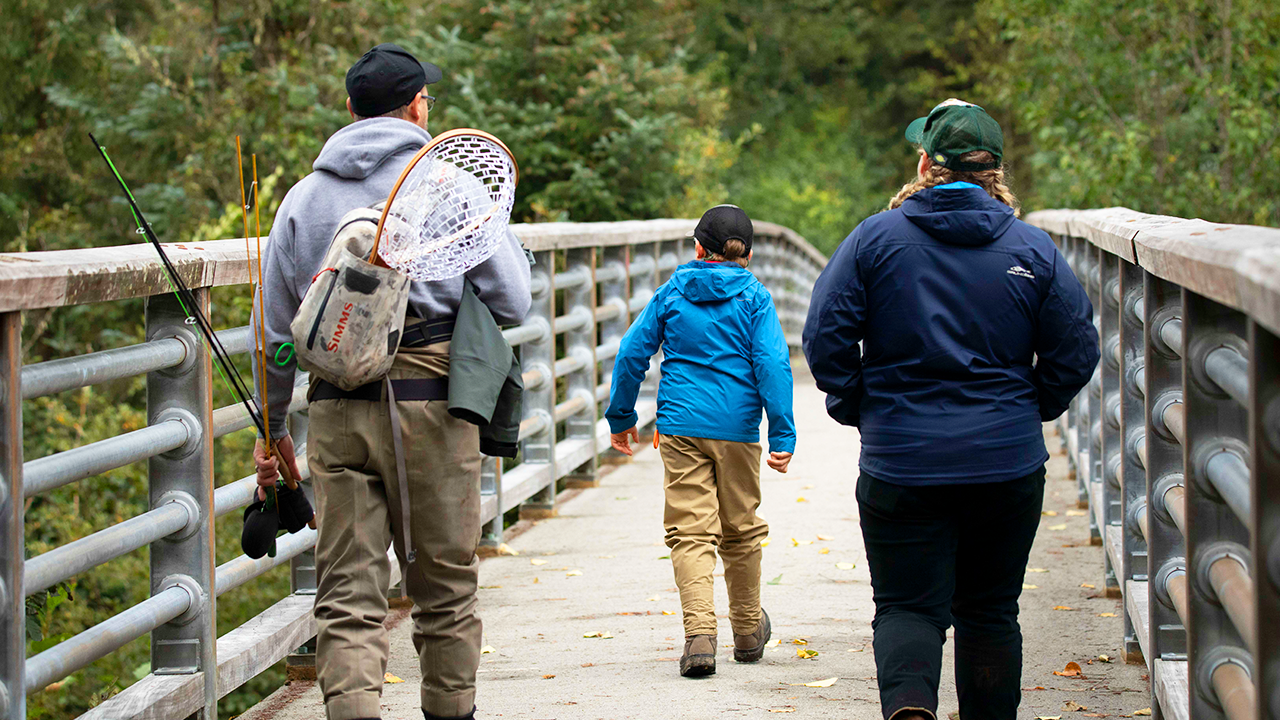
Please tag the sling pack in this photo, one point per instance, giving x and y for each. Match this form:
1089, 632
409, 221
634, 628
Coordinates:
351, 318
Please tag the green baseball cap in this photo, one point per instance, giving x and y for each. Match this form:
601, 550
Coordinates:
953, 128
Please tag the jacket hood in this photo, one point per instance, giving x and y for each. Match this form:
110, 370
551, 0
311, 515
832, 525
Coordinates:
357, 150
958, 214
703, 282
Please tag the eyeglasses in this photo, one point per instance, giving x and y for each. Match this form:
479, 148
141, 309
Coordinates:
431, 101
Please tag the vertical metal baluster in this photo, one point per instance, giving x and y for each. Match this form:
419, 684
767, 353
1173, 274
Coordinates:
301, 663
1264, 467
1133, 475
13, 629
1214, 422
540, 400
188, 644
644, 285
1111, 498
580, 344
1071, 425
1093, 403
1166, 548
614, 293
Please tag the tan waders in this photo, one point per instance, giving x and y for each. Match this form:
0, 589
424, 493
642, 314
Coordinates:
712, 493
359, 511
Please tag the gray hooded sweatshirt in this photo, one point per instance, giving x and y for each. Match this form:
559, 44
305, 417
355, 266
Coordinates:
357, 168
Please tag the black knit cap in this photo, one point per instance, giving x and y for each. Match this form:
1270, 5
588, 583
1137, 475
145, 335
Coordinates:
387, 77
720, 224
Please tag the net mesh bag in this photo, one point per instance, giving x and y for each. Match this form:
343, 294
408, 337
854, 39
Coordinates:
451, 208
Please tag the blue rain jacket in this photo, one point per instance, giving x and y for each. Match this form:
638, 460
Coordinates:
973, 329
724, 358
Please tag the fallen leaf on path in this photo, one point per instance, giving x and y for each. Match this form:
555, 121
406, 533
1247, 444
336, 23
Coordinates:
1107, 615
1048, 717
505, 549
825, 538
807, 487
798, 543
1063, 607
802, 499
1038, 570
1061, 526
653, 599
1143, 711
668, 612
1076, 513
603, 635
536, 561
665, 557
800, 641
1038, 687
536, 580
1105, 658
1049, 513
487, 649
806, 653
490, 587
1025, 586
389, 678
1071, 670
764, 542
1089, 585
844, 566
782, 710
573, 573
1073, 706
822, 683
775, 581
547, 677
773, 643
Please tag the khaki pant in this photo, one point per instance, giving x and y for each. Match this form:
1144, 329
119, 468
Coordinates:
712, 492
358, 513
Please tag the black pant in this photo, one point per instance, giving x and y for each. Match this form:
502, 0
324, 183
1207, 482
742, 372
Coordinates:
944, 554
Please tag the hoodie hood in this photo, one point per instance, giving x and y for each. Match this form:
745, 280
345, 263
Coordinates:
958, 214
704, 282
357, 150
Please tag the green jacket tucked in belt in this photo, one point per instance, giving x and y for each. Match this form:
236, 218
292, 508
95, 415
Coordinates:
485, 384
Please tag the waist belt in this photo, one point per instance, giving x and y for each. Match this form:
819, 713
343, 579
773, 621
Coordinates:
426, 333
402, 390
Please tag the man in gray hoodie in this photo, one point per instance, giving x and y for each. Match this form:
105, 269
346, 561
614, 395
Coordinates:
360, 511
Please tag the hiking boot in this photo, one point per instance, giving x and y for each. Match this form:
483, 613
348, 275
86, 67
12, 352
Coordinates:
699, 656
750, 648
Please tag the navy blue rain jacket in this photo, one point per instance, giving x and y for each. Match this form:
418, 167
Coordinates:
724, 357
973, 329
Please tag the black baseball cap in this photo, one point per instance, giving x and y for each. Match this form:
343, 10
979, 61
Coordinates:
953, 128
720, 224
387, 77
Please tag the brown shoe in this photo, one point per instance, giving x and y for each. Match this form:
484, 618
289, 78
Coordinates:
699, 656
750, 648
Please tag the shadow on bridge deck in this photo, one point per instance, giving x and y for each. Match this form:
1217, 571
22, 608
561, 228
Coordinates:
537, 608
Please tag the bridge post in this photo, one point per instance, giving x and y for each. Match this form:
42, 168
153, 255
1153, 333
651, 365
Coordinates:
1166, 553
580, 346
540, 400
1133, 475
1111, 498
614, 292
187, 644
1216, 431
13, 628
1264, 456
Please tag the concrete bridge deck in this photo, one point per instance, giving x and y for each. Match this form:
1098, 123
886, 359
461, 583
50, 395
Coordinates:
600, 567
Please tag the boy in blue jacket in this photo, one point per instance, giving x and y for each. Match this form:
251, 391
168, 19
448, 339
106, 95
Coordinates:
724, 359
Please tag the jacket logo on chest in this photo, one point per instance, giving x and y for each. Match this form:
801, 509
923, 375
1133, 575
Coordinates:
1021, 272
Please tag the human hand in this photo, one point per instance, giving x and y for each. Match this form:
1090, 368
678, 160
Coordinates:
779, 461
622, 441
268, 468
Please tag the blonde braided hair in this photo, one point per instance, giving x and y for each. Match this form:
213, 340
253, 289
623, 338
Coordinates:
993, 181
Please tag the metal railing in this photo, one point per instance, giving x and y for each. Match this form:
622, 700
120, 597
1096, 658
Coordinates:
589, 281
1176, 447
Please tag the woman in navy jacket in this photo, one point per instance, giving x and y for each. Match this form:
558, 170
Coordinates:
973, 331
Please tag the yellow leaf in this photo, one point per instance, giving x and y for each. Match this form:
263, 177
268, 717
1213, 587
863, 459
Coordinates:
806, 653
389, 678
802, 499
1143, 711
798, 543
807, 487
844, 566
1038, 570
536, 580
1089, 585
1049, 513
764, 542
595, 634
782, 710
547, 677
1062, 607
536, 561
824, 551
505, 549
1076, 513
487, 649
825, 538
799, 641
774, 642
1025, 586
668, 612
1048, 717
573, 573
1062, 526
822, 683
1107, 615
1104, 658
606, 635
